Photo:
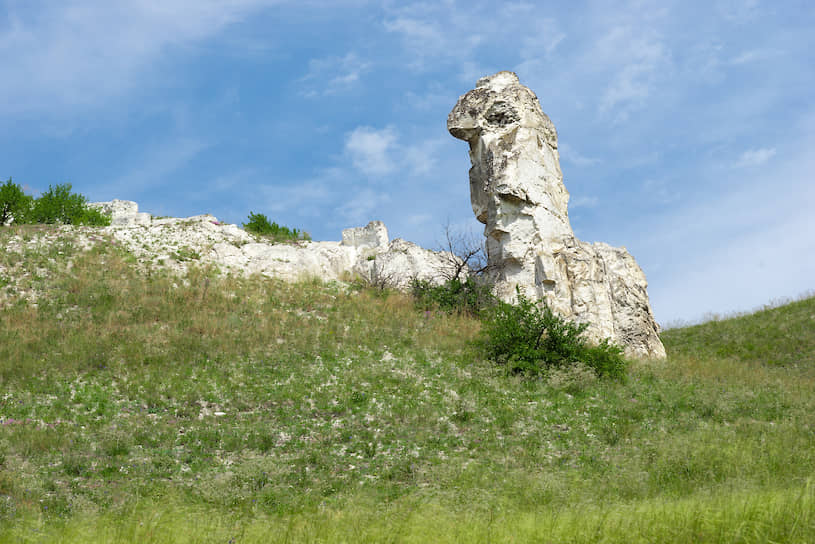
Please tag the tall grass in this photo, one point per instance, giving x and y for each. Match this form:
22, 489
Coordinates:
142, 406
760, 517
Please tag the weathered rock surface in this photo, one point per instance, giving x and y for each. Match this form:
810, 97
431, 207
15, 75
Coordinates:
372, 235
517, 191
123, 212
364, 252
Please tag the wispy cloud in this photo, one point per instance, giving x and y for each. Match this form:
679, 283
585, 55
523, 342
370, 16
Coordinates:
379, 152
448, 33
333, 75
571, 155
421, 157
639, 58
734, 251
755, 157
434, 96
78, 53
755, 55
153, 166
370, 150
362, 206
305, 198
545, 37
739, 11
422, 35
584, 202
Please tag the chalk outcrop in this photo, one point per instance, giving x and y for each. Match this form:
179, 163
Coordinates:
517, 191
123, 212
364, 252
373, 235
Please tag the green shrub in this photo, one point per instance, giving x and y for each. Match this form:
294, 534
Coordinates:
530, 338
14, 204
453, 296
60, 205
259, 224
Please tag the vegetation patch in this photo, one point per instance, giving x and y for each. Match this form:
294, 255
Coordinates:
186, 254
464, 296
57, 205
137, 407
529, 338
259, 224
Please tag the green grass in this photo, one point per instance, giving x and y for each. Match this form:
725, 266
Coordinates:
775, 336
770, 516
147, 407
259, 225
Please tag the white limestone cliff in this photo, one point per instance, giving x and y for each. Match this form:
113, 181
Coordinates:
122, 212
517, 191
365, 252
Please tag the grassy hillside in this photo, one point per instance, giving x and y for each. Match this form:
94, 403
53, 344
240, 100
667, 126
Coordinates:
776, 336
138, 406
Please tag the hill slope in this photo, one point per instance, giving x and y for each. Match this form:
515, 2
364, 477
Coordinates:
784, 336
139, 405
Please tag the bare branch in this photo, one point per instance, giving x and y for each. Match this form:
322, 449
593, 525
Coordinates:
380, 279
464, 254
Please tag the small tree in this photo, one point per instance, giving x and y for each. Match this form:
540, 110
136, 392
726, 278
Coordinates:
530, 338
464, 289
14, 203
463, 253
60, 205
453, 296
259, 224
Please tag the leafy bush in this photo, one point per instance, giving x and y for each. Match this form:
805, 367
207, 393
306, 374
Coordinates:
259, 224
530, 338
93, 217
453, 296
14, 204
60, 205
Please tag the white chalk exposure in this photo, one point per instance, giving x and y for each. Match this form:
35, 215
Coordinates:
364, 252
517, 191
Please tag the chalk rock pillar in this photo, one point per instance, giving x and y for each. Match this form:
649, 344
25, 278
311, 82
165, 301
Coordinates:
517, 191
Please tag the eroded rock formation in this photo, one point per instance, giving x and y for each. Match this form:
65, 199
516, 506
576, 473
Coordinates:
177, 243
123, 212
517, 191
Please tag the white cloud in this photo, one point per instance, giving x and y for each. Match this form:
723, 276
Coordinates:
434, 97
378, 152
755, 55
425, 36
448, 33
307, 197
421, 157
419, 219
739, 11
78, 53
638, 57
755, 157
571, 155
584, 202
362, 206
333, 75
370, 150
543, 38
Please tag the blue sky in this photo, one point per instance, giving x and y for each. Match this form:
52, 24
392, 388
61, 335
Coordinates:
687, 129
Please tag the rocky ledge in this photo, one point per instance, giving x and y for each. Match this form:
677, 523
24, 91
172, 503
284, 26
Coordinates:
364, 252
